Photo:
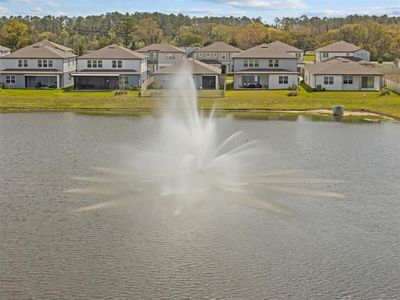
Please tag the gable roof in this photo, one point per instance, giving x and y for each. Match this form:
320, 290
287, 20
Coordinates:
340, 66
44, 49
161, 48
113, 52
57, 46
265, 51
2, 48
341, 46
283, 47
219, 47
196, 67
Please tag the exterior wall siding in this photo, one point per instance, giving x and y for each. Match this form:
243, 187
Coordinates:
363, 54
318, 80
286, 64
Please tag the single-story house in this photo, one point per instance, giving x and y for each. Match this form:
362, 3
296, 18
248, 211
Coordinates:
342, 74
205, 77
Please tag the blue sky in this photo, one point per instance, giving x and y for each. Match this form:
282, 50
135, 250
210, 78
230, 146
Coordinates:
266, 9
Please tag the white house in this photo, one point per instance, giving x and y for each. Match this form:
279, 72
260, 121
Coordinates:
342, 74
4, 50
41, 65
161, 56
267, 66
341, 49
205, 77
218, 53
110, 68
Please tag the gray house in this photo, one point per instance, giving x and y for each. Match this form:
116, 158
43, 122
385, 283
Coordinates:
267, 66
205, 77
41, 65
161, 56
4, 50
341, 49
342, 74
110, 68
218, 54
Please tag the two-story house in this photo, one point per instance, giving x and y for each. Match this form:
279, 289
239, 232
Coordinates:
265, 66
41, 65
4, 50
341, 49
161, 56
218, 53
109, 68
342, 74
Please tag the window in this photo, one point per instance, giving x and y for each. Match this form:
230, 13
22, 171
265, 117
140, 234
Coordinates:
39, 63
10, 79
94, 63
99, 63
223, 56
251, 63
246, 63
50, 63
117, 64
170, 56
200, 54
273, 63
208, 54
348, 79
283, 79
89, 64
328, 80
249, 79
367, 82
215, 54
44, 63
22, 63
325, 54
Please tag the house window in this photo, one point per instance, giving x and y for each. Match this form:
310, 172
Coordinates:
200, 54
117, 64
273, 63
325, 54
170, 56
50, 63
348, 79
328, 80
89, 64
215, 54
249, 79
223, 56
100, 63
22, 63
246, 63
44, 63
367, 82
94, 63
283, 79
251, 63
208, 54
39, 63
10, 79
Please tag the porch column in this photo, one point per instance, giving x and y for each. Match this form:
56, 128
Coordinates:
58, 81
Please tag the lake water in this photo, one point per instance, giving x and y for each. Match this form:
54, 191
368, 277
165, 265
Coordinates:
325, 226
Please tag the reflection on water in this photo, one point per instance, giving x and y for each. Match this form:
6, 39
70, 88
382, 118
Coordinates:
291, 235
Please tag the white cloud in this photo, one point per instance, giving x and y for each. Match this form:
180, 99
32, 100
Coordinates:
377, 10
197, 11
4, 10
262, 4
52, 4
36, 10
18, 1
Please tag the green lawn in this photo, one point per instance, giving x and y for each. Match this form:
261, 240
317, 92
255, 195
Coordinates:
309, 57
234, 100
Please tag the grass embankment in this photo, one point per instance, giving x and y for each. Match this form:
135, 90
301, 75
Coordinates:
36, 100
309, 57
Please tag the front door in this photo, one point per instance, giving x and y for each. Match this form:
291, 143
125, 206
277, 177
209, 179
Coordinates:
209, 83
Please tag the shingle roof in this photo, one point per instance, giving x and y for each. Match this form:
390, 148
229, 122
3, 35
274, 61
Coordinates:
161, 48
219, 47
283, 47
265, 71
340, 46
57, 46
196, 67
2, 48
340, 66
265, 51
41, 50
113, 52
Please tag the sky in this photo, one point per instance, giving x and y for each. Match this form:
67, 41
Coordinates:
266, 9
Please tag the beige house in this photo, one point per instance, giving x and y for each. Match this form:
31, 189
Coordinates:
267, 66
342, 74
109, 68
218, 54
341, 49
205, 77
41, 65
4, 50
161, 56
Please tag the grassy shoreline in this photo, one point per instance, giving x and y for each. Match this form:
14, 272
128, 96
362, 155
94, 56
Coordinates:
234, 101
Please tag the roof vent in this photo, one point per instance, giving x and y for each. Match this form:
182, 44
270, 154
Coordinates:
111, 47
35, 46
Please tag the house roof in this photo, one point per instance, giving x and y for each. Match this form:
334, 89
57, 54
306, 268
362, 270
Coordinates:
30, 71
211, 61
57, 46
161, 48
266, 51
283, 47
196, 67
265, 71
99, 73
44, 49
113, 52
340, 46
340, 66
2, 48
219, 47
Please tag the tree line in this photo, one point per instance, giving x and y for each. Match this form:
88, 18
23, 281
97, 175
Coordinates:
378, 34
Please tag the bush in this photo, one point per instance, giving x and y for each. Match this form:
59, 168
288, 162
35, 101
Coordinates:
385, 93
292, 93
120, 93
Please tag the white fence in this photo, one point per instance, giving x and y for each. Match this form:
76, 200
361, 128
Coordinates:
391, 85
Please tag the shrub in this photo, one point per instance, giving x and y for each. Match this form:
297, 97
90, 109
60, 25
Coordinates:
292, 93
385, 93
